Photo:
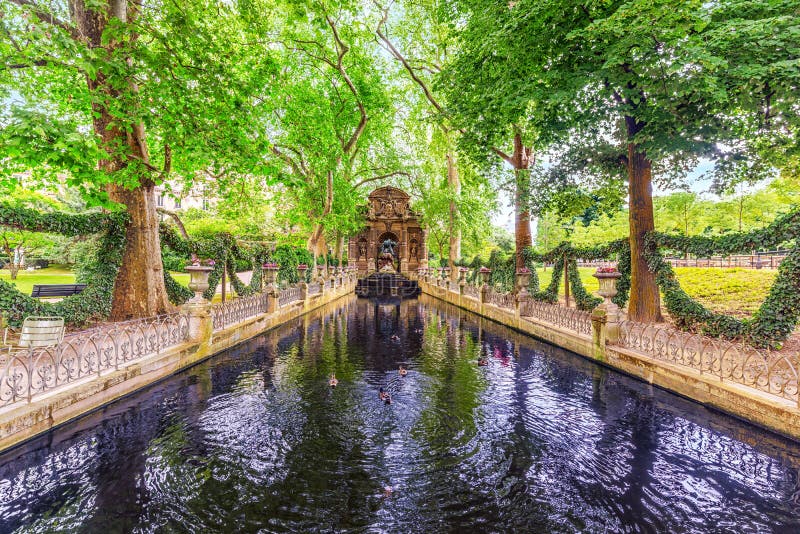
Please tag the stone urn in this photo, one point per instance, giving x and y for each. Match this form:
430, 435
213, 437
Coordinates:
270, 271
608, 282
198, 281
462, 275
485, 273
301, 272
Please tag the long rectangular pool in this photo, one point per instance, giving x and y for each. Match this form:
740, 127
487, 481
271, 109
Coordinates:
537, 440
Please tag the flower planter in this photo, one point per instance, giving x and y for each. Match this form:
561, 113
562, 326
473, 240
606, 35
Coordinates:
608, 284
198, 281
485, 273
270, 275
301, 272
523, 280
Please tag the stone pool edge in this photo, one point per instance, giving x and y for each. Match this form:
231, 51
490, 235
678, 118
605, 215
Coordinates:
19, 424
766, 411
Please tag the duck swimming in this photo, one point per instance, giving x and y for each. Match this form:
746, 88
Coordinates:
384, 396
395, 337
332, 382
482, 362
403, 371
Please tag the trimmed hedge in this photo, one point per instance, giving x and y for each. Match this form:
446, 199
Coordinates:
777, 317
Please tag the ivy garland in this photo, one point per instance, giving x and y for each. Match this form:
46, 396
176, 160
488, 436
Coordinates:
94, 302
778, 315
769, 327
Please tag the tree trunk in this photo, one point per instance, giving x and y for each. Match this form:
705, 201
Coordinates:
454, 184
522, 215
645, 302
139, 289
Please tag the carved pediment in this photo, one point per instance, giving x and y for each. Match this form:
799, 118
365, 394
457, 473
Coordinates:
389, 203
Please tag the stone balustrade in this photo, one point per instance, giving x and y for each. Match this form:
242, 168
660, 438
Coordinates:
44, 387
759, 386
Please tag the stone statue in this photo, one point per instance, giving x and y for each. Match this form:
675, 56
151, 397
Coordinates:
413, 251
387, 256
388, 247
362, 249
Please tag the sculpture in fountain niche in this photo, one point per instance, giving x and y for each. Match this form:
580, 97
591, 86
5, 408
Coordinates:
387, 256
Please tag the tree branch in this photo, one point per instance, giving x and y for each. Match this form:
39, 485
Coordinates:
167, 160
342, 49
503, 155
49, 18
380, 177
288, 160
403, 61
177, 219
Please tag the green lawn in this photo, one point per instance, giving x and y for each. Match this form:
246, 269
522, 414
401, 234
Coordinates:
735, 291
59, 274
25, 281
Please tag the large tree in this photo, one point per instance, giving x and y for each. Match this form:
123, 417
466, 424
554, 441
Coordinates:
492, 122
119, 95
332, 117
651, 77
423, 29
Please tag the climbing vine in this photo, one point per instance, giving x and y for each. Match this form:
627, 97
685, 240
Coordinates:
94, 302
777, 317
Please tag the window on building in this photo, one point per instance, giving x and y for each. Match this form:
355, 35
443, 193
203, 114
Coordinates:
160, 201
205, 203
177, 203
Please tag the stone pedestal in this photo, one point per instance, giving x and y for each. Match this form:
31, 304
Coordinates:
200, 325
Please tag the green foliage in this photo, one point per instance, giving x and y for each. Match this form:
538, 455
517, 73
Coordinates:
288, 258
101, 254
95, 301
778, 315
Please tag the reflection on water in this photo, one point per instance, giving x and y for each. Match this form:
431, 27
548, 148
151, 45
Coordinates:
540, 440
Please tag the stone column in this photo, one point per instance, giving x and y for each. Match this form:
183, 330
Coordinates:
371, 251
607, 316
423, 248
200, 324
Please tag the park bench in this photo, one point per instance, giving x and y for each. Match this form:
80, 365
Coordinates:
36, 332
56, 290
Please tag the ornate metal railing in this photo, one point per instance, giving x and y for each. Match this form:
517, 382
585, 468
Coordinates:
765, 371
31, 372
503, 300
569, 318
238, 310
472, 291
289, 295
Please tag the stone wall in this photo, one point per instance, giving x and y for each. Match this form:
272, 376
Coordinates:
772, 412
22, 421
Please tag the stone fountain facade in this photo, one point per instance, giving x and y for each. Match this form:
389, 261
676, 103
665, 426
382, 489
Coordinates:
389, 218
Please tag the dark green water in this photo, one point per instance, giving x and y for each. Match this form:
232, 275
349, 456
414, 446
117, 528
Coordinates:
539, 440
